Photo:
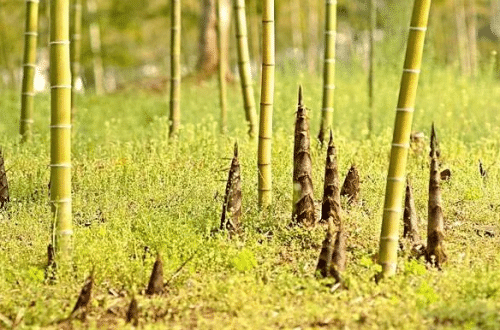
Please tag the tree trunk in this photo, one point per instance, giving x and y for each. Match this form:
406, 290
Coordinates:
208, 51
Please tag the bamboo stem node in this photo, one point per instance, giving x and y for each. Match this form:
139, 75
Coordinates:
392, 210
401, 145
61, 201
61, 126
405, 109
61, 86
416, 28
389, 238
397, 179
63, 165
59, 42
66, 232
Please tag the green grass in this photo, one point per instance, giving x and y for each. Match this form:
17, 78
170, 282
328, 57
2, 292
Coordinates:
132, 189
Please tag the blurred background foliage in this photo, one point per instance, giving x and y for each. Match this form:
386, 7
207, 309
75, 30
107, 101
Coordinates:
135, 35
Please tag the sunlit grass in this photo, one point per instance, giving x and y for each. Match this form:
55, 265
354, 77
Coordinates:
133, 189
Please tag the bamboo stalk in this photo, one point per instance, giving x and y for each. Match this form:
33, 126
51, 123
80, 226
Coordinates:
175, 69
29, 65
75, 48
401, 139
328, 69
60, 125
266, 105
221, 41
96, 47
244, 67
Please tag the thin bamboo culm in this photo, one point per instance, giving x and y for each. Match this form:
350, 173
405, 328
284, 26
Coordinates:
401, 138
328, 69
175, 69
96, 47
244, 67
266, 105
221, 42
60, 126
29, 65
75, 49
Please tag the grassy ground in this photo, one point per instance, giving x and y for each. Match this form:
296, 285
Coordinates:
133, 189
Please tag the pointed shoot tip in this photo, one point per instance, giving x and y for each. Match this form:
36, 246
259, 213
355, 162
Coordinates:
301, 100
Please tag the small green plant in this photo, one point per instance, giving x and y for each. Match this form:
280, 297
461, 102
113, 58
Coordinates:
245, 261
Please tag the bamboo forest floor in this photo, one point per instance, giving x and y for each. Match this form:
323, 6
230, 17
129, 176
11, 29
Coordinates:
135, 194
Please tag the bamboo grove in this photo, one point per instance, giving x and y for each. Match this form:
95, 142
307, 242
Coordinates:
65, 69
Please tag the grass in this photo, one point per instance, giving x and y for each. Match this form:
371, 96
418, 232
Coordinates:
133, 189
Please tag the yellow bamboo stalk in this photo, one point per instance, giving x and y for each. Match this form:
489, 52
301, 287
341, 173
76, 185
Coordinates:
175, 68
266, 105
221, 43
75, 48
401, 138
244, 67
328, 69
29, 65
95, 47
60, 125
